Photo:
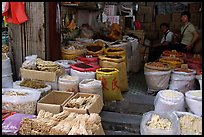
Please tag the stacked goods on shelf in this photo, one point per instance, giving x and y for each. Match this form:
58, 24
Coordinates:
92, 86
173, 61
118, 62
168, 101
84, 71
193, 99
95, 48
110, 83
66, 65
159, 123
182, 79
33, 84
157, 75
20, 100
68, 83
64, 123
7, 79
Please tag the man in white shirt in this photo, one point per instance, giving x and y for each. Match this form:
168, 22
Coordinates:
165, 43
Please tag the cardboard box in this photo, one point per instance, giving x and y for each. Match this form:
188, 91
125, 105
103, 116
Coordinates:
95, 107
140, 17
146, 9
40, 75
148, 17
152, 35
195, 19
176, 17
54, 101
175, 26
161, 19
194, 7
138, 33
151, 26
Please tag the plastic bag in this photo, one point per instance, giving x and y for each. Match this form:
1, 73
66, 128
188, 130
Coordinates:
11, 125
182, 82
194, 101
43, 91
92, 86
30, 62
83, 75
157, 80
68, 83
168, 101
145, 130
190, 124
20, 100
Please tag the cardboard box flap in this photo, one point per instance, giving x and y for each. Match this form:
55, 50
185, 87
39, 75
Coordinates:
100, 131
40, 75
54, 101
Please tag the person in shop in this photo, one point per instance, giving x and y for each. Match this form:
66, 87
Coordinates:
188, 36
165, 43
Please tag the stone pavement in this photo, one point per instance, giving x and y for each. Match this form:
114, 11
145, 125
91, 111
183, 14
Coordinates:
124, 117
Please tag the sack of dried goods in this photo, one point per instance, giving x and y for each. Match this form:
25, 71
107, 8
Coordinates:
199, 78
92, 86
172, 61
96, 48
88, 59
157, 75
189, 124
159, 123
182, 79
33, 84
84, 71
66, 65
118, 62
168, 101
168, 53
20, 100
110, 83
68, 83
194, 101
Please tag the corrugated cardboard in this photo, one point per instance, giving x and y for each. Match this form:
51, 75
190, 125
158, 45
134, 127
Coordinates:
195, 19
40, 75
148, 17
100, 131
96, 106
161, 19
54, 101
176, 17
175, 26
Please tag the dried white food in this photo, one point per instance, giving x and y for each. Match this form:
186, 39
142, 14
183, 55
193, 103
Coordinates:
196, 94
170, 94
190, 125
159, 123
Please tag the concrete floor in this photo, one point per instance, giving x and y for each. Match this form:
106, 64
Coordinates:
124, 117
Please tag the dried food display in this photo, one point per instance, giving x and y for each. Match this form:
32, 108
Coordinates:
64, 123
157, 65
190, 125
159, 123
173, 53
33, 84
